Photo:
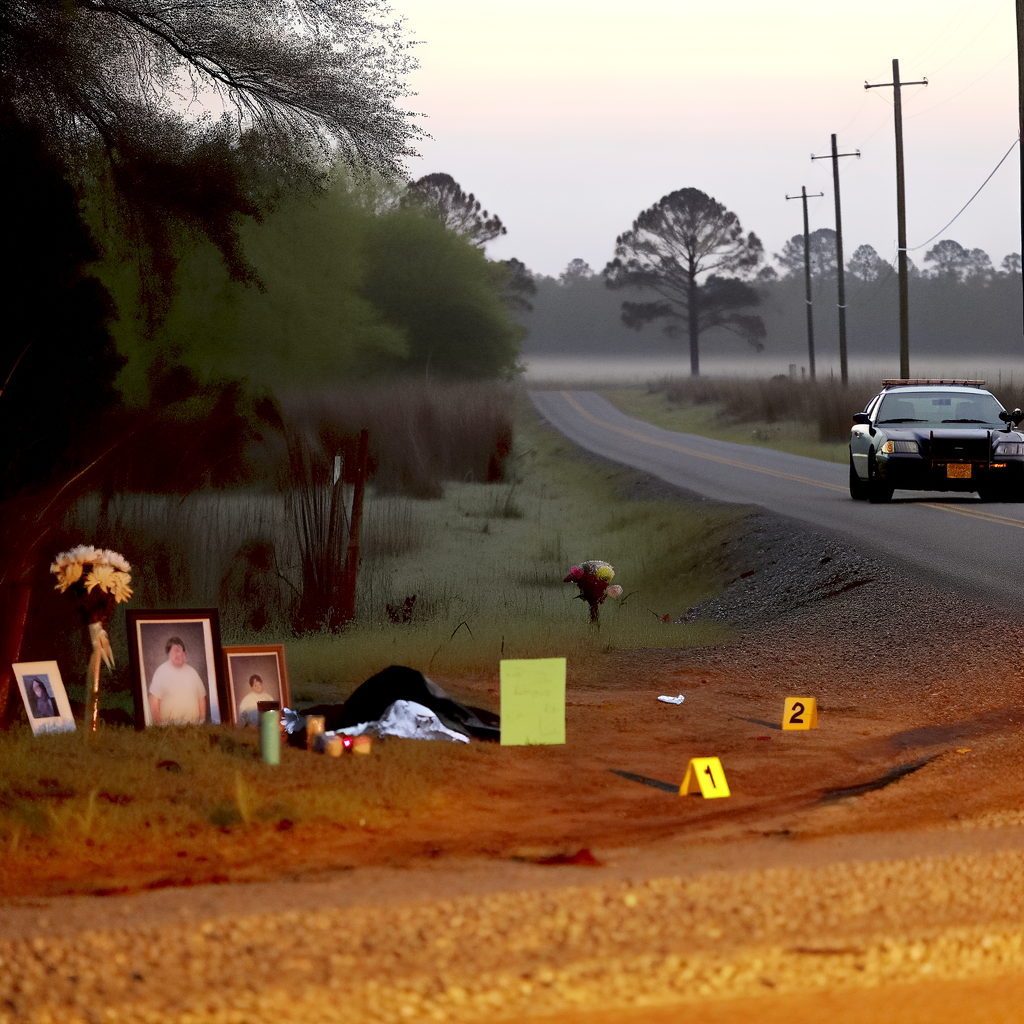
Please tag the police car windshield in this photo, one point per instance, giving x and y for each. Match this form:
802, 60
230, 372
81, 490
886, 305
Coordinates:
939, 408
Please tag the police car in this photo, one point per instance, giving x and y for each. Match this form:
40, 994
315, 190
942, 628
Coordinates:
936, 435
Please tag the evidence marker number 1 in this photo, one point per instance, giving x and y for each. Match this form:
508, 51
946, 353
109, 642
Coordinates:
800, 713
706, 775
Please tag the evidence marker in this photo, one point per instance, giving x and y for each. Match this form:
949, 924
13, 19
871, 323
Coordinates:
800, 713
707, 775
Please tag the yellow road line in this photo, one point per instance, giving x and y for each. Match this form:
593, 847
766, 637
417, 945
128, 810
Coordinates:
975, 513
971, 513
682, 449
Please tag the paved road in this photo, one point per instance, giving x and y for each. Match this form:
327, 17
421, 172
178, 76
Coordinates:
949, 539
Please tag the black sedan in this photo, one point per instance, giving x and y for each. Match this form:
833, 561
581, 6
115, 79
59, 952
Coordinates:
930, 435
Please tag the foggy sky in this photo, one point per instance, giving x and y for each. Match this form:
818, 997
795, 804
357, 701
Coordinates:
568, 117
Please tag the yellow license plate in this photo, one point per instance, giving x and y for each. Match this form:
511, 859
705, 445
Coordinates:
958, 471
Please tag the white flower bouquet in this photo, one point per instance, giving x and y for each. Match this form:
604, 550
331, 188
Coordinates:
98, 580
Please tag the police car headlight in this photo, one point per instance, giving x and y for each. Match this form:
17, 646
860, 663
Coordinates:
1009, 448
907, 447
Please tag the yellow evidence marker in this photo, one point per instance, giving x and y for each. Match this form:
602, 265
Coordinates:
705, 774
532, 701
800, 713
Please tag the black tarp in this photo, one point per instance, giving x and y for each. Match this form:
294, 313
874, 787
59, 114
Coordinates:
371, 699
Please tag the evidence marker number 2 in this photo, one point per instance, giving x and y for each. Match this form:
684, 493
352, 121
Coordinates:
800, 713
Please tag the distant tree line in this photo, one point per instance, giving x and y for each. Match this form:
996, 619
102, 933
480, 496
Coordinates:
688, 252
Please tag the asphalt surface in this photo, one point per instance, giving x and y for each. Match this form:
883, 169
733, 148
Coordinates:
952, 540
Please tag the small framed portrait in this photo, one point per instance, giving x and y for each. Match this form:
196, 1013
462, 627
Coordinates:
175, 658
46, 701
255, 675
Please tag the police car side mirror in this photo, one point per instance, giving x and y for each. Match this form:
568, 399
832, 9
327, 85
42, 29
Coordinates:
861, 418
1017, 416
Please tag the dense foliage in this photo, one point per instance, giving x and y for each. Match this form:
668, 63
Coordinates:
352, 284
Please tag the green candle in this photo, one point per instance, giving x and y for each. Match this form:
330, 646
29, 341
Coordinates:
270, 737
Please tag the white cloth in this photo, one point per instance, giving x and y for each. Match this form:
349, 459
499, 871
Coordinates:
407, 720
179, 691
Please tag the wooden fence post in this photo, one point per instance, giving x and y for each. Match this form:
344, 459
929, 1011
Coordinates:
347, 591
10, 646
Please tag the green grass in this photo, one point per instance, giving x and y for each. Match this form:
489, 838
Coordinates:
486, 564
488, 576
786, 435
64, 789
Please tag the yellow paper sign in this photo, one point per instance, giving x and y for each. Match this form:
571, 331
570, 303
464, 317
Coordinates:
707, 775
800, 713
532, 701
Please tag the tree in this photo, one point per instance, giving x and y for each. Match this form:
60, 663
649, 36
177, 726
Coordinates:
441, 196
58, 361
348, 292
823, 254
955, 263
520, 284
575, 270
444, 295
1011, 263
684, 237
279, 89
866, 264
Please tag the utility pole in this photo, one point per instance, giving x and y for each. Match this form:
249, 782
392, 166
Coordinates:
901, 213
807, 278
840, 271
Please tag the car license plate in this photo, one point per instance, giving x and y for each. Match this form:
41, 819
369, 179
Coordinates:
958, 471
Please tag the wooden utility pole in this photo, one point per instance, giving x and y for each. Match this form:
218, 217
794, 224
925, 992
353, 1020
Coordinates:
840, 271
901, 213
807, 278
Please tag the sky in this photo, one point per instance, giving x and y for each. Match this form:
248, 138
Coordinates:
567, 118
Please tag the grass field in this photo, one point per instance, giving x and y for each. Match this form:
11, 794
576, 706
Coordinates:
485, 564
488, 567
796, 436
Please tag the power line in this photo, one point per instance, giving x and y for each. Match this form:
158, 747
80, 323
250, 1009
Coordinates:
971, 85
969, 201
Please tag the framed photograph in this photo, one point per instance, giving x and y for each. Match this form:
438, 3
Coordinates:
175, 659
255, 675
46, 701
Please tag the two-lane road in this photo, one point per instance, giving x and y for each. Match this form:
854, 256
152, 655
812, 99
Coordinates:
953, 539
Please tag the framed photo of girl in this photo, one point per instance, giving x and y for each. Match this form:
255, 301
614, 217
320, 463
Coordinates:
255, 674
174, 658
46, 701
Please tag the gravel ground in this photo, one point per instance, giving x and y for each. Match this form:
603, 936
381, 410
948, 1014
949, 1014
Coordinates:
512, 955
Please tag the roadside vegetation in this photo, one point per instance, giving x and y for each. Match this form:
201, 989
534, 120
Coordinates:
810, 418
449, 584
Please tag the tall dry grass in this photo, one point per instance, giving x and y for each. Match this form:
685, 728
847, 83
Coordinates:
255, 552
422, 433
823, 403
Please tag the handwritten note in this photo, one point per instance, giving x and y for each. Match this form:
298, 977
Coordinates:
532, 701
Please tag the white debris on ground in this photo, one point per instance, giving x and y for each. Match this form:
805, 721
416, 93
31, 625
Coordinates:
672, 700
406, 720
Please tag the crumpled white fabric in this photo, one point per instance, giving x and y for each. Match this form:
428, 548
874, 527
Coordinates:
407, 720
